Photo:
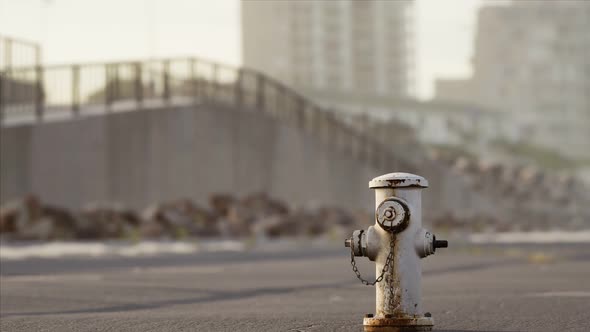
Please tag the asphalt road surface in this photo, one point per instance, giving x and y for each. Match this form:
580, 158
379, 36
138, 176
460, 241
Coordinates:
466, 288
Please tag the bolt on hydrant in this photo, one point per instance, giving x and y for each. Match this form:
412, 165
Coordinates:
396, 243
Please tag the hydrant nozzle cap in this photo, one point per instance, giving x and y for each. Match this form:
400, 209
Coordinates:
397, 180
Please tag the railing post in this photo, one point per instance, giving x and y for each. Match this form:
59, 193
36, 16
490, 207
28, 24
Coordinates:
279, 102
238, 90
260, 85
194, 82
138, 85
107, 87
76, 89
166, 79
2, 75
214, 81
8, 53
39, 93
116, 85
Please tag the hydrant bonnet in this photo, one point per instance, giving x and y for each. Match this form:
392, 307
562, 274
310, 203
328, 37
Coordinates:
398, 180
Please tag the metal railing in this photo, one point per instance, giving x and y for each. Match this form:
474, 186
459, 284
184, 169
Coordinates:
40, 93
16, 52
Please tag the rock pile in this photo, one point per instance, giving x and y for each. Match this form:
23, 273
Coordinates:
535, 199
31, 220
178, 219
225, 216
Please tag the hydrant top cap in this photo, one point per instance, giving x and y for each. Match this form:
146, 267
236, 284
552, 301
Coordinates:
396, 180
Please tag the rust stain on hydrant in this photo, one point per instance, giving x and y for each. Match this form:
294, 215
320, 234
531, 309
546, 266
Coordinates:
396, 243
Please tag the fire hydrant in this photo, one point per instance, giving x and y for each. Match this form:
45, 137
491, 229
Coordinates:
396, 243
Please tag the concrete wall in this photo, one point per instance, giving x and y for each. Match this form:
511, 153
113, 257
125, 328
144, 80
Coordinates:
143, 157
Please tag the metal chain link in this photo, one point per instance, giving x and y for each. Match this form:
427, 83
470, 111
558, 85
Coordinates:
386, 266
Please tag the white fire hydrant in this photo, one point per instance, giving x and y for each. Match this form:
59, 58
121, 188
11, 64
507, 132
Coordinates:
396, 243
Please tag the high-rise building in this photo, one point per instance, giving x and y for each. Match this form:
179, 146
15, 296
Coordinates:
361, 47
532, 59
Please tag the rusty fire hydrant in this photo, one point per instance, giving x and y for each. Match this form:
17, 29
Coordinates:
396, 243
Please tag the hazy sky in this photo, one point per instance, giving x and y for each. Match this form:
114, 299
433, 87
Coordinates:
98, 30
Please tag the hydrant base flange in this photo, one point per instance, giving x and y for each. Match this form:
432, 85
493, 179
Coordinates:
377, 324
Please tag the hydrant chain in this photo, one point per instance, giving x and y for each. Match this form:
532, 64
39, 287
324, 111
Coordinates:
386, 266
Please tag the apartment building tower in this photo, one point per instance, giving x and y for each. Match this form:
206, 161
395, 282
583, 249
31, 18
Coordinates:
532, 60
360, 47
